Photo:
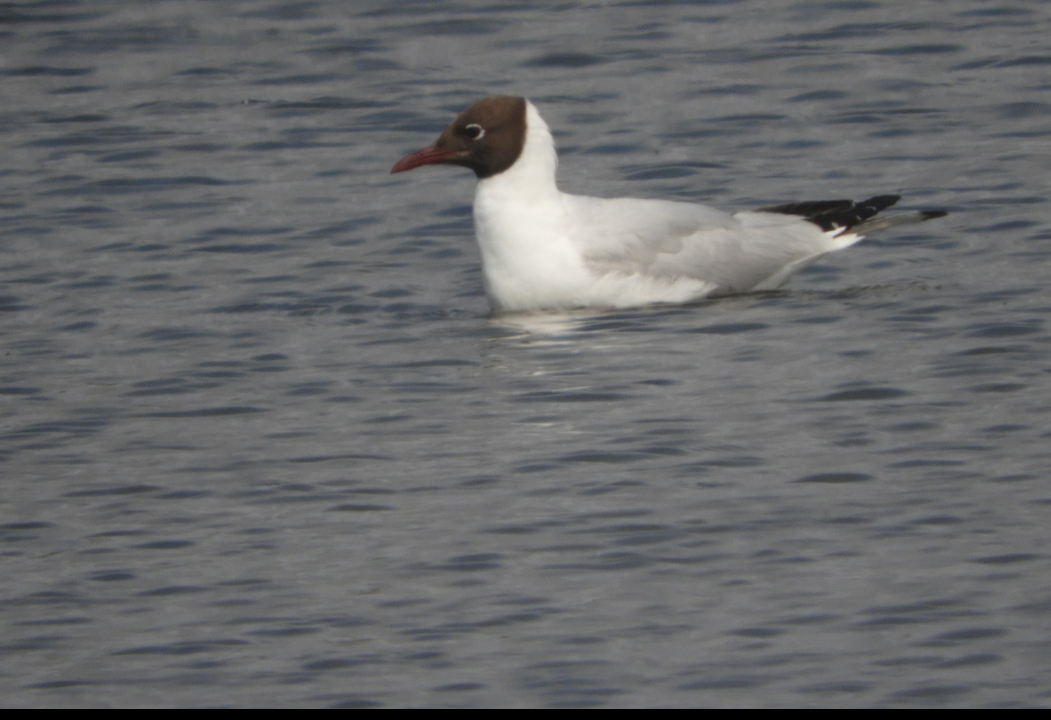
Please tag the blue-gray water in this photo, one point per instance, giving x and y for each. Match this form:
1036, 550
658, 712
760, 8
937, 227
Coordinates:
261, 444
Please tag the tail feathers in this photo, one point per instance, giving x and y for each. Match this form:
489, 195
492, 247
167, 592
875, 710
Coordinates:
857, 217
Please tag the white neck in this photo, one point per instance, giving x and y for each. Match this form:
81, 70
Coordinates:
521, 220
532, 177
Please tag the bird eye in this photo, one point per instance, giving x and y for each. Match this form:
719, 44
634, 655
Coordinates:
474, 131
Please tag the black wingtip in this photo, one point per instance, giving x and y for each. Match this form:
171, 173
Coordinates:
836, 214
881, 201
846, 214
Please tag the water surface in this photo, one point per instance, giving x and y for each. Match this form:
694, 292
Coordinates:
262, 444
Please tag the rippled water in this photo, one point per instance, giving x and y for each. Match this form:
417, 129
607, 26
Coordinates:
261, 444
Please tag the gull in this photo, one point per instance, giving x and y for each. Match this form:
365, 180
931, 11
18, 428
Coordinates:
543, 249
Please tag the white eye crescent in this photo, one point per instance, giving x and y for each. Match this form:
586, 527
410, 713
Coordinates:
475, 131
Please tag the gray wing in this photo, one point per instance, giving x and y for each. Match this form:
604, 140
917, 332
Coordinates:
749, 250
